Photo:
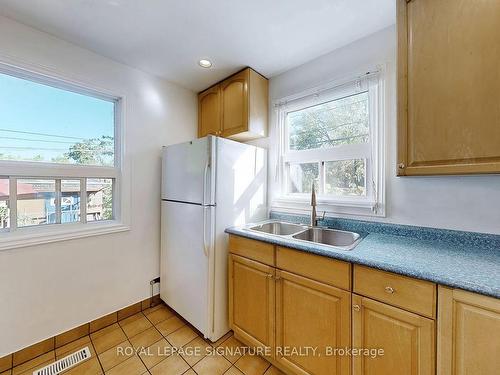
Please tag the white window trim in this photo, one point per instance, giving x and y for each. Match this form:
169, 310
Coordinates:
30, 236
375, 156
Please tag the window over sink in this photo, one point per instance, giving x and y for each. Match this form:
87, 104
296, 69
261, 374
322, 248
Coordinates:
332, 137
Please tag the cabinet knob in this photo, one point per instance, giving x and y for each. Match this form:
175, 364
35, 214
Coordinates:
389, 289
401, 166
356, 307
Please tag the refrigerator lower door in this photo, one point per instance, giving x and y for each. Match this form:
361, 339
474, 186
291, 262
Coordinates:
186, 262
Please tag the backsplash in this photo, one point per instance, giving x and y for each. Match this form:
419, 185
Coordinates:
483, 240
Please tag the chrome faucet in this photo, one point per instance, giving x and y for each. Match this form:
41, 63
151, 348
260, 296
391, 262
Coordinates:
314, 216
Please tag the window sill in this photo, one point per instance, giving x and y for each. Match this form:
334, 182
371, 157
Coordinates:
343, 207
37, 236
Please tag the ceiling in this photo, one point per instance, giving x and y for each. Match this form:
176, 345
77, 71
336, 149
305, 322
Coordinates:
167, 38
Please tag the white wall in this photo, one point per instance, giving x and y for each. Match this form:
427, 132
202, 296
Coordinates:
469, 203
48, 289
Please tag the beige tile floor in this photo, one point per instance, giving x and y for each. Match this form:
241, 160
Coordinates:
120, 349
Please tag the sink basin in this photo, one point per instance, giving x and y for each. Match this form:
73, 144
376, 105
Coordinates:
332, 237
279, 228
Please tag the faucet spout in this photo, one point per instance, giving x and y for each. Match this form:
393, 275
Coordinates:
314, 219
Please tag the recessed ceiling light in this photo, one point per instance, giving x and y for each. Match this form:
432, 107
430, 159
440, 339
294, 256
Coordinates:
204, 63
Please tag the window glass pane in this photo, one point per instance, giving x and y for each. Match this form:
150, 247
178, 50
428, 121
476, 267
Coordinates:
43, 123
4, 203
35, 202
339, 122
70, 201
345, 177
99, 199
301, 177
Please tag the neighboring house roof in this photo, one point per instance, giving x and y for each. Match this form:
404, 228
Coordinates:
40, 186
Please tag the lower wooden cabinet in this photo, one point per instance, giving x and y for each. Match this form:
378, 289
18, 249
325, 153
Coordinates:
406, 338
252, 301
468, 333
294, 303
309, 315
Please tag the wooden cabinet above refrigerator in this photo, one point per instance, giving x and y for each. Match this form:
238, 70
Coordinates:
236, 108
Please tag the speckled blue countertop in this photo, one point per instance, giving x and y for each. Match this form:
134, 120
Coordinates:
465, 260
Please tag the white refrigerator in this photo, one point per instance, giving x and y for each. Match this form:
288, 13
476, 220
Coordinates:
208, 185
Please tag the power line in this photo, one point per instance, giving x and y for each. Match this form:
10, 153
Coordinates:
36, 140
42, 134
56, 149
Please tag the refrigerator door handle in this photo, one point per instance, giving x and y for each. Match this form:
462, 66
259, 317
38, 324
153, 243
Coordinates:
205, 174
206, 246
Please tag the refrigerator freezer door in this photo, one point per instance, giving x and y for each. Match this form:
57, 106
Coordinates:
187, 172
186, 257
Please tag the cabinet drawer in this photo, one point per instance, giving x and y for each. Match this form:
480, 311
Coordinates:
256, 250
408, 293
330, 271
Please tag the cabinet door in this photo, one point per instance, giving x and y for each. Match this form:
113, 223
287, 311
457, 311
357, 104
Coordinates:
468, 333
448, 80
251, 301
407, 339
209, 114
234, 92
310, 314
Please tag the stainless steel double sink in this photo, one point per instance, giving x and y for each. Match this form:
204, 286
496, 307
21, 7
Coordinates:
334, 238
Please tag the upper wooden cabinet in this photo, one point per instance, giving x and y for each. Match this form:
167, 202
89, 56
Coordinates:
448, 84
468, 333
234, 94
235, 108
209, 112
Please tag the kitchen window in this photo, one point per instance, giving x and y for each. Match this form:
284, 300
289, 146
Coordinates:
60, 159
332, 137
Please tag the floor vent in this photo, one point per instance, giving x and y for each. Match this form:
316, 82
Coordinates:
65, 363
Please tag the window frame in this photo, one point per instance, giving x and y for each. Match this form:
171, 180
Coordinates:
14, 237
373, 203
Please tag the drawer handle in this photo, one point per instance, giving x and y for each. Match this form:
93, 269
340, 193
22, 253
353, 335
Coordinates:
270, 276
389, 289
356, 307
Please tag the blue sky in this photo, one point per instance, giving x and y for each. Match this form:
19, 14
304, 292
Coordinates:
62, 116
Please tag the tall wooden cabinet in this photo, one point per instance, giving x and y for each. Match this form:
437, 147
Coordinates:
468, 333
448, 84
235, 108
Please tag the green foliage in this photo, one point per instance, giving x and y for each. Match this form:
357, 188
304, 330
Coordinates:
345, 177
344, 121
107, 201
340, 122
60, 159
4, 215
96, 151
